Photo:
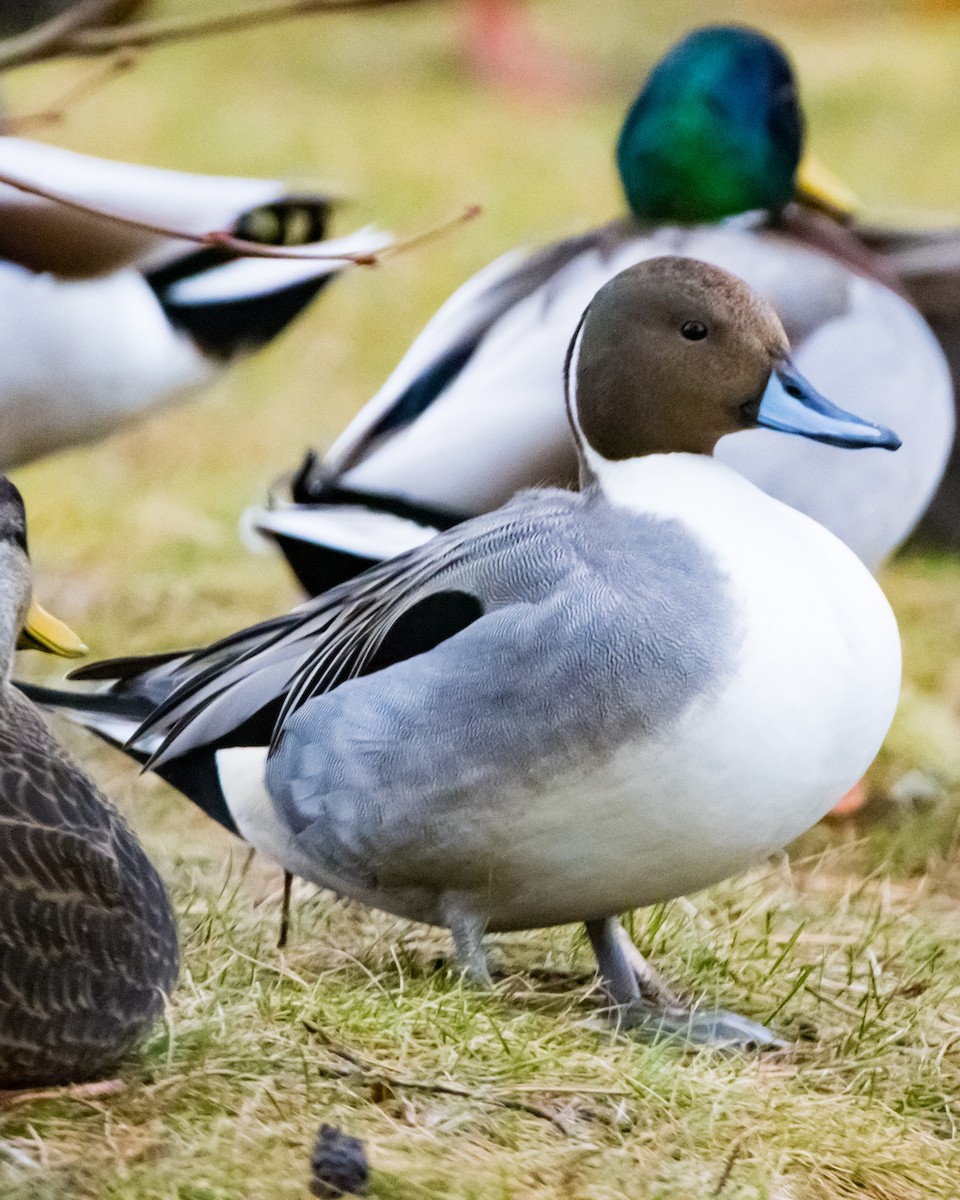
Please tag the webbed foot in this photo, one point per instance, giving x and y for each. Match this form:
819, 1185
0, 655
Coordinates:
643, 1002
697, 1027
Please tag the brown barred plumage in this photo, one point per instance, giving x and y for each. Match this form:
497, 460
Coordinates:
88, 943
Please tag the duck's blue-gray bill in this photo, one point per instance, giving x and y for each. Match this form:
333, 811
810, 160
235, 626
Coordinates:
791, 404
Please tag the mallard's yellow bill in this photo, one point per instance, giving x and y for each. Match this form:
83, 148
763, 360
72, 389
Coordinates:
817, 186
42, 631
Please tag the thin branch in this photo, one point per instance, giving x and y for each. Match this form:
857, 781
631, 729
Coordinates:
81, 40
285, 911
91, 82
74, 1091
375, 1070
728, 1166
47, 40
441, 229
240, 246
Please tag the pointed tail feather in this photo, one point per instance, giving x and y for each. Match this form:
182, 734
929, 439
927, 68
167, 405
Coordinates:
115, 718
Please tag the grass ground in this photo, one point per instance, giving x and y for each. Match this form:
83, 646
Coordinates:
851, 947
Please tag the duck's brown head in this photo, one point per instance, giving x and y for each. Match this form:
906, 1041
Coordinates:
674, 353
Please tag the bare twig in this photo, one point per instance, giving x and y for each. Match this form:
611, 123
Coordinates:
416, 240
75, 1091
224, 240
91, 82
79, 39
731, 1162
376, 1070
47, 40
285, 911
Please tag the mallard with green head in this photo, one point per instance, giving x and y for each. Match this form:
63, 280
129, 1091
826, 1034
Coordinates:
711, 161
88, 940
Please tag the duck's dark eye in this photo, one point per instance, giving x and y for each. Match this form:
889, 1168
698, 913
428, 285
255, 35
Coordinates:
693, 331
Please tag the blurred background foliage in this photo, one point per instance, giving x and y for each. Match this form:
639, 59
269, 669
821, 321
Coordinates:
17, 16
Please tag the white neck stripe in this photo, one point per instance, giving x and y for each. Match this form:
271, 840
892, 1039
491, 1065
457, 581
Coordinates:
570, 384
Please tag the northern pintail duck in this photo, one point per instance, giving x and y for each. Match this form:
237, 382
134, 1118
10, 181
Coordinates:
88, 942
708, 158
625, 694
100, 323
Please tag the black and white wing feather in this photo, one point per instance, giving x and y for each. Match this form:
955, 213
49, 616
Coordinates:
364, 624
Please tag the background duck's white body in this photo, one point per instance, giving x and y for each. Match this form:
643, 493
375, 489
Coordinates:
79, 358
100, 322
175, 199
500, 425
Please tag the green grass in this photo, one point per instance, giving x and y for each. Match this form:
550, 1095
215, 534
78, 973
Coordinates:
852, 949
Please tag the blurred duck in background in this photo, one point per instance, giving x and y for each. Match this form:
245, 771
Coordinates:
88, 941
710, 159
101, 323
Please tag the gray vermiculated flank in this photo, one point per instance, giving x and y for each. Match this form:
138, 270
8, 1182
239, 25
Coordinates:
88, 944
600, 627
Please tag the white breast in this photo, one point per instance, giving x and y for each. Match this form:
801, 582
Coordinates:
812, 694
79, 359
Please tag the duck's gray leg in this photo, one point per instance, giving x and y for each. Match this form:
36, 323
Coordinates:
620, 980
467, 930
645, 1003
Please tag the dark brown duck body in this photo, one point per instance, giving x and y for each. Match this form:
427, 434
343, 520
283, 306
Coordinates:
88, 941
88, 944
